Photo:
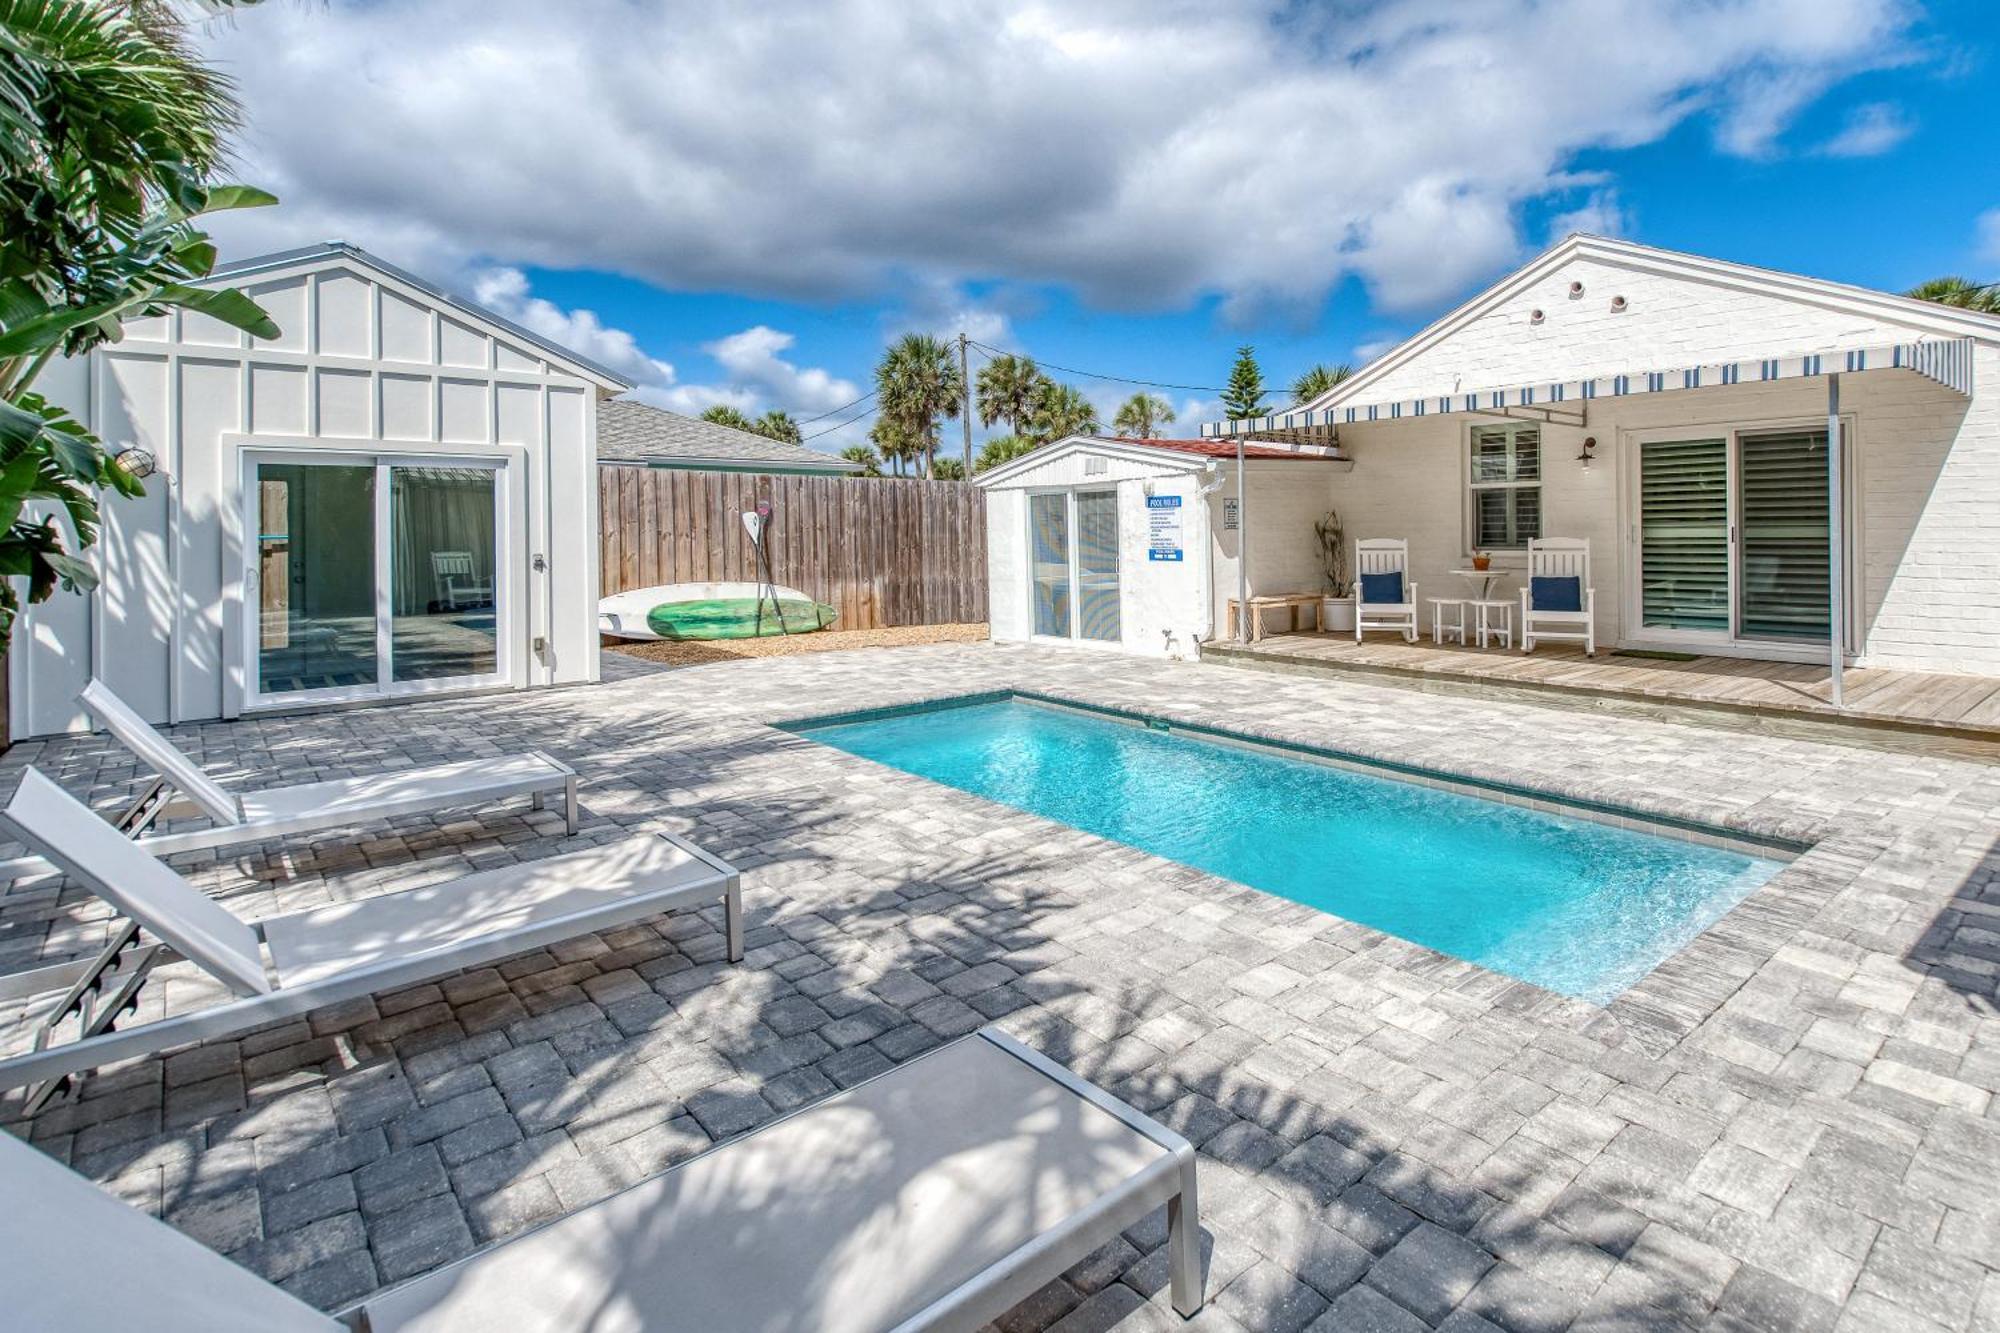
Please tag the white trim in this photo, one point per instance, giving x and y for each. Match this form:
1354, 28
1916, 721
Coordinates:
512, 621
1635, 634
339, 254
1075, 637
1946, 321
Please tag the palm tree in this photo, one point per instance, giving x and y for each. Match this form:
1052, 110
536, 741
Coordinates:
893, 443
917, 384
871, 462
1141, 416
1961, 292
947, 469
1008, 388
722, 414
1317, 380
110, 131
778, 425
1001, 449
1060, 411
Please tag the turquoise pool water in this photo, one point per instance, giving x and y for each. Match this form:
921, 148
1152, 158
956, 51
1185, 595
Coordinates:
1574, 905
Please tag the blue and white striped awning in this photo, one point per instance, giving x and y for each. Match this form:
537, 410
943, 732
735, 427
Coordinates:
1946, 360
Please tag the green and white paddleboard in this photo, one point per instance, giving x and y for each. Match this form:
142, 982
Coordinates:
711, 611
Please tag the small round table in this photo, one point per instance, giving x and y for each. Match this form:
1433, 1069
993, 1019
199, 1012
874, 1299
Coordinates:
1486, 577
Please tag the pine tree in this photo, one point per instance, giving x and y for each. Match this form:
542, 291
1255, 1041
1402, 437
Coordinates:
1244, 396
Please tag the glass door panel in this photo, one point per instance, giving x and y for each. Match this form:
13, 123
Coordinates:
1048, 563
1684, 534
443, 570
1783, 584
1097, 565
315, 576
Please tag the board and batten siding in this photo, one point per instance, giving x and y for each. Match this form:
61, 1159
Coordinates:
882, 552
364, 364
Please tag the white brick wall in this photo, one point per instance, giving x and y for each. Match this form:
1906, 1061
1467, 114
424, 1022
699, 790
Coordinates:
1668, 322
1928, 462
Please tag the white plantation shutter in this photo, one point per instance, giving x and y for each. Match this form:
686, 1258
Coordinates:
1684, 533
1785, 535
1505, 476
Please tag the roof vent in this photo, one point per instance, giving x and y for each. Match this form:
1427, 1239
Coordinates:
1617, 305
1095, 465
1575, 291
1536, 316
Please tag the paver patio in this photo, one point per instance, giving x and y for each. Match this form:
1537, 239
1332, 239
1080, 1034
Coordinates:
1791, 1125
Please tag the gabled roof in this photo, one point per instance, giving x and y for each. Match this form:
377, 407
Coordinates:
1184, 455
241, 269
629, 431
1945, 321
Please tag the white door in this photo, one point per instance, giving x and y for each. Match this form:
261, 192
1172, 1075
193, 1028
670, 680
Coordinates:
1073, 565
373, 575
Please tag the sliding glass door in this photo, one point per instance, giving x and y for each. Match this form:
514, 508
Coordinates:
1073, 565
373, 576
1782, 519
1733, 539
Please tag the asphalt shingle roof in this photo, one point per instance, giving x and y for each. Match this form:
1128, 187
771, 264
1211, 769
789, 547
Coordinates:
629, 431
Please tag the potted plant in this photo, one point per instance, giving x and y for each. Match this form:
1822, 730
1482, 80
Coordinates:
1481, 561
1336, 608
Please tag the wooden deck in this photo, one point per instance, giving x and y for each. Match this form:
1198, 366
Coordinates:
1912, 702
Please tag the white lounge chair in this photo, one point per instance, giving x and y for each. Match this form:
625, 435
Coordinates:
181, 788
1384, 555
1543, 616
283, 966
934, 1196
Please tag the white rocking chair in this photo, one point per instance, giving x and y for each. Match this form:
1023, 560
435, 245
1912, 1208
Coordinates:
1384, 555
1559, 557
458, 581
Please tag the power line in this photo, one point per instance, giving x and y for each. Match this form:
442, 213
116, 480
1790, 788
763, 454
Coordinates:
840, 425
836, 411
1095, 375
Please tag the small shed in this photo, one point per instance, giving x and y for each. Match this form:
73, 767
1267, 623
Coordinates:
1138, 545
394, 496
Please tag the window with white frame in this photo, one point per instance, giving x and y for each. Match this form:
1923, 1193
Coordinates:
1504, 481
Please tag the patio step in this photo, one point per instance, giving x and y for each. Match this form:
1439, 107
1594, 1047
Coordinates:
1886, 709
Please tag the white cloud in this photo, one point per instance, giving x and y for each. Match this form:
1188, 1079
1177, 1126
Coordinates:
1143, 153
1601, 215
754, 378
752, 360
1988, 228
505, 292
1869, 131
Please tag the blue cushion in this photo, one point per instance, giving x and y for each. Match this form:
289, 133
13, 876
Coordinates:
1555, 594
1385, 588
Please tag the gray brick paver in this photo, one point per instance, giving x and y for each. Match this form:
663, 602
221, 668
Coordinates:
1793, 1124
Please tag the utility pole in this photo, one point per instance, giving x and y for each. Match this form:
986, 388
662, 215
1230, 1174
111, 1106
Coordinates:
965, 413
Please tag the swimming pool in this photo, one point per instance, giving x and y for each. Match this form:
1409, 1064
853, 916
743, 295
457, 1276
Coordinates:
1578, 906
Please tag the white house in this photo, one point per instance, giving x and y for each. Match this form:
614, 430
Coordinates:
397, 495
1674, 411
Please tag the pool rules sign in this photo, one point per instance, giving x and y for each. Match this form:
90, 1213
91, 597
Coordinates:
1163, 527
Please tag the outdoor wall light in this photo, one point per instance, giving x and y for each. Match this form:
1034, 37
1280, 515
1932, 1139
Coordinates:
136, 463
1589, 443
1617, 305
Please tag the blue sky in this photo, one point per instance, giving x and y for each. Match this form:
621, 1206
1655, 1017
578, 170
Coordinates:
745, 209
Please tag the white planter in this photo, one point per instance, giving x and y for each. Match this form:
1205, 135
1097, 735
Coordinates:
1336, 615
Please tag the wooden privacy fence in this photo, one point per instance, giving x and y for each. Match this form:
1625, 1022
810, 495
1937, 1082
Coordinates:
881, 552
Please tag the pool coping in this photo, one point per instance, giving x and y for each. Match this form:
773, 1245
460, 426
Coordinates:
1657, 1012
1764, 845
